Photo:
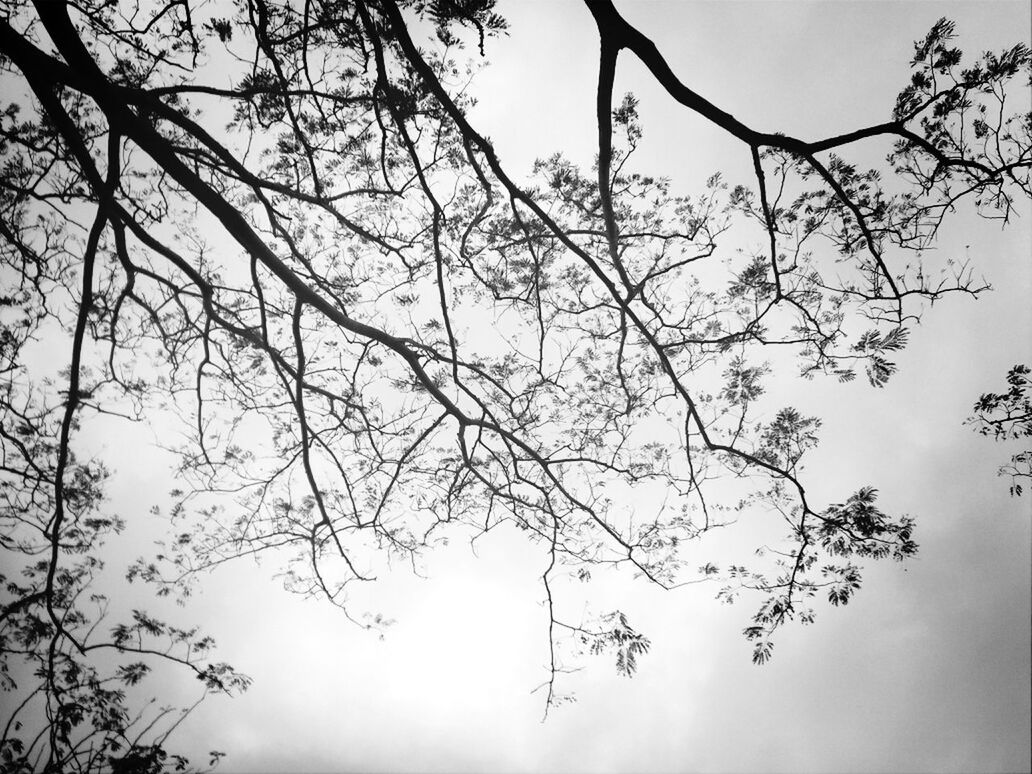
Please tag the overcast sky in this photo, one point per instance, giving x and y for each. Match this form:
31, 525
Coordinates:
927, 670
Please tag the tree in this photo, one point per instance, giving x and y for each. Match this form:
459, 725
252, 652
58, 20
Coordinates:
375, 336
1008, 415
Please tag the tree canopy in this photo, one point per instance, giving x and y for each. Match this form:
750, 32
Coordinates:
274, 227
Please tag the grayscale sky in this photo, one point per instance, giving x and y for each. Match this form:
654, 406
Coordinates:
927, 670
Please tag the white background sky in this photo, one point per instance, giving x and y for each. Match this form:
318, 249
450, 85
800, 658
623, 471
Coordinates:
927, 670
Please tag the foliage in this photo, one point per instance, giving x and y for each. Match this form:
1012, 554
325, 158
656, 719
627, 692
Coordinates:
374, 337
1008, 415
620, 637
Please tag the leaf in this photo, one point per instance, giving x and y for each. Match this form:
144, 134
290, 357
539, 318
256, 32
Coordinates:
762, 652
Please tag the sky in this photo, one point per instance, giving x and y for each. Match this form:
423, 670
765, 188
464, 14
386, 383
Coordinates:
928, 669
